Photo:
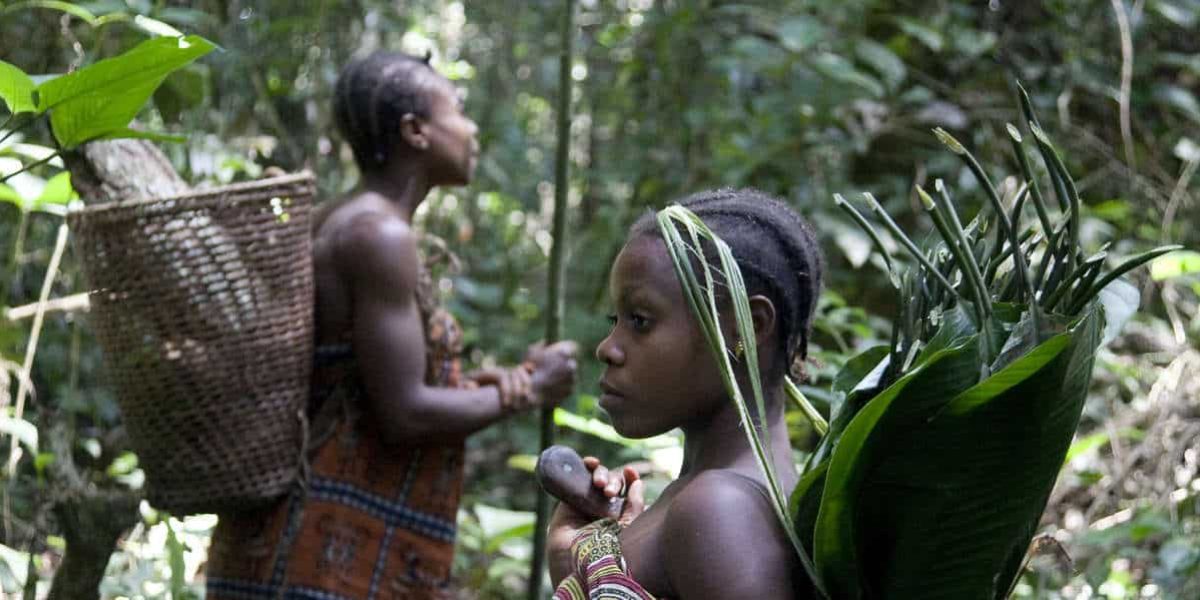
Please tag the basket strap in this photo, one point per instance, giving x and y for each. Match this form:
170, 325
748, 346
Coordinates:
296, 511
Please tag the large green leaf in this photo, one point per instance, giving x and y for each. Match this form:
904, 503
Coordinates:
857, 368
924, 390
938, 489
16, 89
882, 60
70, 8
1175, 264
100, 100
58, 191
839, 69
8, 194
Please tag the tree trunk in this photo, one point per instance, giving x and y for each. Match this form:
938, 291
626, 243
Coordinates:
91, 522
93, 518
122, 170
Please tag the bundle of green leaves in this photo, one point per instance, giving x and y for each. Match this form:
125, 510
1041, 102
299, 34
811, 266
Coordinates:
941, 455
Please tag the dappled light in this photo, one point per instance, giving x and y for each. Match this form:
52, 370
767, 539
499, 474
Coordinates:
997, 396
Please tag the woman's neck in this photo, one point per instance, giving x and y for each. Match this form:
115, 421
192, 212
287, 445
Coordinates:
404, 184
720, 442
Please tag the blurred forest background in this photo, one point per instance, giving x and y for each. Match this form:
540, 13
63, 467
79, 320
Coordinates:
801, 99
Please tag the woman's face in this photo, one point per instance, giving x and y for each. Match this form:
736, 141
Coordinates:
660, 373
453, 149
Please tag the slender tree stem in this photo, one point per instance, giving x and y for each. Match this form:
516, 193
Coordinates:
16, 129
554, 293
24, 383
29, 167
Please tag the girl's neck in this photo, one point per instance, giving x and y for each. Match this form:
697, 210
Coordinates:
720, 443
404, 184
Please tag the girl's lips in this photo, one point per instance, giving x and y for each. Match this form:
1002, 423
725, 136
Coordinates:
610, 395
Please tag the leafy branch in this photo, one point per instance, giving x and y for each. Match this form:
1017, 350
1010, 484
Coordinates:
99, 101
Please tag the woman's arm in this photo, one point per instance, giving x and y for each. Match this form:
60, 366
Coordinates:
380, 259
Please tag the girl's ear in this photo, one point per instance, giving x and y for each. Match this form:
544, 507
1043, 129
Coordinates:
762, 312
412, 131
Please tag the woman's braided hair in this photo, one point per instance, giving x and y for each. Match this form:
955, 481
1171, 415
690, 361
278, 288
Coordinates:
372, 96
775, 248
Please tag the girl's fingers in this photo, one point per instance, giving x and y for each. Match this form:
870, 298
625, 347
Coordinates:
591, 462
616, 483
600, 476
631, 474
635, 503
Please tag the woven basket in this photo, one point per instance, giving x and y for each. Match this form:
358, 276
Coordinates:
203, 307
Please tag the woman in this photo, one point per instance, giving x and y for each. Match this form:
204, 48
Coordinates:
712, 534
390, 408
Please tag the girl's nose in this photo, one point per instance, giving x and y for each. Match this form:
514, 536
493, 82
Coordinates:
609, 353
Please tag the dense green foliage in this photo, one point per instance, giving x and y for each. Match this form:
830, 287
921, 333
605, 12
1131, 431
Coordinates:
801, 99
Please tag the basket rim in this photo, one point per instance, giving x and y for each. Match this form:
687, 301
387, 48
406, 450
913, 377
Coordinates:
305, 176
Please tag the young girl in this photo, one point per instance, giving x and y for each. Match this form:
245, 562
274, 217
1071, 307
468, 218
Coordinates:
712, 534
389, 408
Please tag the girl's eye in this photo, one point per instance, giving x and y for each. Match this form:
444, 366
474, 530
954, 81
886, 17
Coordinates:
639, 322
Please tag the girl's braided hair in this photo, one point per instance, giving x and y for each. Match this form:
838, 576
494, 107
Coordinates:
775, 248
372, 96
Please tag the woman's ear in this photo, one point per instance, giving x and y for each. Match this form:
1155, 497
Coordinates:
412, 131
762, 312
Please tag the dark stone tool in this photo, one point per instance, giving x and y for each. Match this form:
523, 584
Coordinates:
561, 472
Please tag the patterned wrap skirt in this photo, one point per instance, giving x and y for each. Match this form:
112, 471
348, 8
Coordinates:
374, 521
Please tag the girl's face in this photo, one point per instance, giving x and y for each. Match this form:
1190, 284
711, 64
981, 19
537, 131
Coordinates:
660, 373
453, 148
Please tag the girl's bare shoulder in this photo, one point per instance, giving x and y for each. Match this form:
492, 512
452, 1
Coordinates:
722, 523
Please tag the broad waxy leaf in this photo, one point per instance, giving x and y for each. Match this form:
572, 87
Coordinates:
16, 89
835, 550
922, 498
100, 100
857, 368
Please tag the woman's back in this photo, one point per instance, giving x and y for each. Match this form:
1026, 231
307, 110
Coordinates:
331, 224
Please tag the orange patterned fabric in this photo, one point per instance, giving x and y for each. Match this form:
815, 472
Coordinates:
374, 521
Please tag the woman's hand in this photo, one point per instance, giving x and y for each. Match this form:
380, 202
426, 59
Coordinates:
566, 521
553, 371
514, 385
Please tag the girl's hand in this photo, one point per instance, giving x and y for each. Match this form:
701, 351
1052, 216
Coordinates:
566, 521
